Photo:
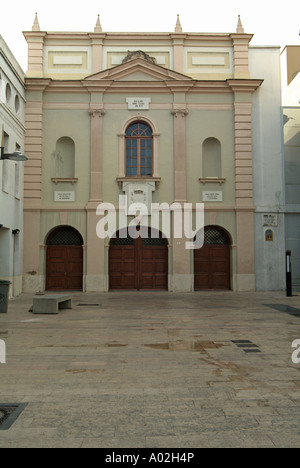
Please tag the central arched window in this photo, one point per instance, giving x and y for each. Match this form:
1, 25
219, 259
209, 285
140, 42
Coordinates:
139, 150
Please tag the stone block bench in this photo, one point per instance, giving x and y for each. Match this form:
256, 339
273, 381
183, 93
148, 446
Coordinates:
51, 303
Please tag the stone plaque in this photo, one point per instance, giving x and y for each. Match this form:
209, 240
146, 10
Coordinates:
138, 103
212, 196
270, 220
64, 196
139, 196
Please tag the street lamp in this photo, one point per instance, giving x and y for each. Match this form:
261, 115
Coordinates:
16, 156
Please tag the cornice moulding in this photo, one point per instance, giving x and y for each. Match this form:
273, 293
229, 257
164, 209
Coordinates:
246, 85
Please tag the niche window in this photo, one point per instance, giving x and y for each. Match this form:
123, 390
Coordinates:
63, 164
212, 161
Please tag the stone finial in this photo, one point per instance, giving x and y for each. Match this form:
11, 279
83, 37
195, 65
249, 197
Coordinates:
98, 28
36, 26
240, 29
178, 28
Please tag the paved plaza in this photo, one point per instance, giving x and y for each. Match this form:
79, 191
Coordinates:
156, 370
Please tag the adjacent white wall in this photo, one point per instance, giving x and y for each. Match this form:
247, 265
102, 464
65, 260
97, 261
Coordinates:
12, 120
268, 169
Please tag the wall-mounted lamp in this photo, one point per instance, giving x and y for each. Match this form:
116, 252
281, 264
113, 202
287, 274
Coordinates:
16, 232
16, 156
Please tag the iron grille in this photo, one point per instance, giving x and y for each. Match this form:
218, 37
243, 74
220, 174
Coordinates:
145, 234
5, 412
154, 241
66, 237
9, 412
214, 236
119, 241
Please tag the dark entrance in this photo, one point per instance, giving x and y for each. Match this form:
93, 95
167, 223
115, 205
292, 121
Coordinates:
64, 260
140, 263
212, 261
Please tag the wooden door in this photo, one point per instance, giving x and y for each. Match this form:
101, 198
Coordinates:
212, 260
64, 267
122, 267
212, 267
138, 264
153, 264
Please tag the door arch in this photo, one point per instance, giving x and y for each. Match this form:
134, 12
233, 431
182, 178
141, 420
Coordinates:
64, 260
138, 263
212, 261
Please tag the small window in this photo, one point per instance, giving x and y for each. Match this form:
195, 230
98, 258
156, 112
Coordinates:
8, 92
139, 150
6, 142
17, 103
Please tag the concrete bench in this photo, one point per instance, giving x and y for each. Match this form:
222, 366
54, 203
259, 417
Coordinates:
49, 304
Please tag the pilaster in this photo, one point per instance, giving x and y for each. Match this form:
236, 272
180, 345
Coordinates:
241, 51
33, 150
245, 271
181, 274
96, 112
179, 112
95, 247
178, 47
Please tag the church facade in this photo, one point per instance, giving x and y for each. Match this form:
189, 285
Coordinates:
118, 123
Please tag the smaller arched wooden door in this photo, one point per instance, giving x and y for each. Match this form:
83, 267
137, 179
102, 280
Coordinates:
64, 260
212, 260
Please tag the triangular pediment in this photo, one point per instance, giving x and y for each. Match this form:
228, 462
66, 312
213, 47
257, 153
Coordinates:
138, 69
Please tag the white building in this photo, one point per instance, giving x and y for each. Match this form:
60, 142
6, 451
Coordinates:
290, 60
268, 174
12, 128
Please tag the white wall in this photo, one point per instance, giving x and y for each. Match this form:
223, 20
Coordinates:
292, 183
268, 168
12, 120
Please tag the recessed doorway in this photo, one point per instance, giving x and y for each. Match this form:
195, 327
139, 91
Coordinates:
64, 260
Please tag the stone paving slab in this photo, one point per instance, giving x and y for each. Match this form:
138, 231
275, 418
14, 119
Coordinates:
153, 370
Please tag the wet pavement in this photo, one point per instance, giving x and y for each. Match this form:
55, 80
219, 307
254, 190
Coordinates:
154, 369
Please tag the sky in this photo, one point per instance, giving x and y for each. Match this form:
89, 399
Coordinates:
272, 23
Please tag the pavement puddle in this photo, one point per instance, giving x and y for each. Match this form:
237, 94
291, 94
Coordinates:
186, 346
93, 345
85, 371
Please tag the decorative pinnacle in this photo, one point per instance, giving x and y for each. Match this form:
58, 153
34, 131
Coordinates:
36, 26
178, 28
98, 28
240, 29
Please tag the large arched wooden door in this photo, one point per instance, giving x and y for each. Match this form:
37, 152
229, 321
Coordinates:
64, 260
212, 261
138, 264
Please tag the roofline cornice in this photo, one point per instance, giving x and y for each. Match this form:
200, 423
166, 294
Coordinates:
113, 86
131, 36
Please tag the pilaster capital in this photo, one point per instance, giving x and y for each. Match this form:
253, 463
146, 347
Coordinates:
96, 110
179, 110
